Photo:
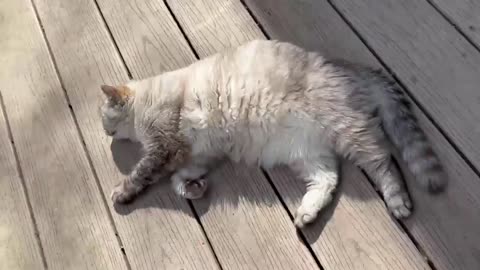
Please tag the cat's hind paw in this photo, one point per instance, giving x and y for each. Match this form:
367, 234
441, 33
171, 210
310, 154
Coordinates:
400, 205
304, 216
192, 189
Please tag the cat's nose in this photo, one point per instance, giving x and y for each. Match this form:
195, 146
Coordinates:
110, 133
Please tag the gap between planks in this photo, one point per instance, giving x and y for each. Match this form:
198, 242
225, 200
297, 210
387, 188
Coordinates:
451, 154
402, 85
105, 40
419, 57
277, 194
450, 20
81, 137
203, 49
300, 233
185, 36
129, 73
105, 24
32, 74
282, 202
405, 88
36, 232
401, 225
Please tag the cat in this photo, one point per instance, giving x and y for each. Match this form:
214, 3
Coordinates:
268, 103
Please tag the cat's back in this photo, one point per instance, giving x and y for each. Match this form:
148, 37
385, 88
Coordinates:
256, 81
251, 99
266, 59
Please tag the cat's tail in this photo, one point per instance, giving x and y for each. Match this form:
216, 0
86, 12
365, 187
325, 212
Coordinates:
401, 126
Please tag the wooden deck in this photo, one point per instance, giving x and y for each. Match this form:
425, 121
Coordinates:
57, 167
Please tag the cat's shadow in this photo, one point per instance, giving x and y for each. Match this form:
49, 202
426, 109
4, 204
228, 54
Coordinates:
224, 193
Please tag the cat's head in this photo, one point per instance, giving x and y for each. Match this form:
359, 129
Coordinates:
116, 112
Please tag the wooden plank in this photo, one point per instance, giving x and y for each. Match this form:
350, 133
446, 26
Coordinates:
212, 26
357, 232
432, 224
73, 224
438, 66
246, 223
147, 36
464, 14
241, 201
19, 248
154, 236
404, 254
242, 233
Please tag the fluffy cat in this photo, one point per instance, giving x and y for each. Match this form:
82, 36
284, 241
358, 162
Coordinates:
268, 103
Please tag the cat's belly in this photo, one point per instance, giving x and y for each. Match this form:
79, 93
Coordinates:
256, 146
292, 145
283, 146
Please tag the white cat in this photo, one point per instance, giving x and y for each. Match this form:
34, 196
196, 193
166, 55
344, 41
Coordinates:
268, 103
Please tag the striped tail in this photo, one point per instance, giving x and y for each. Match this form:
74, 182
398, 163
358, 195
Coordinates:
401, 126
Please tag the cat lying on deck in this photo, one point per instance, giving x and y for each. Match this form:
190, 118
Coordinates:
269, 103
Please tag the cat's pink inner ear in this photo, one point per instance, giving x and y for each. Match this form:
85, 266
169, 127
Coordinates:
111, 92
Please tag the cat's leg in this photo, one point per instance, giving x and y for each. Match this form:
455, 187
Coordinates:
371, 151
321, 175
155, 164
135, 182
147, 171
388, 179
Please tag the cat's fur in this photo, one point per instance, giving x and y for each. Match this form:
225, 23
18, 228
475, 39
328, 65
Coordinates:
268, 103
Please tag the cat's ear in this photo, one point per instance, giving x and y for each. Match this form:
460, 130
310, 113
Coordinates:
112, 93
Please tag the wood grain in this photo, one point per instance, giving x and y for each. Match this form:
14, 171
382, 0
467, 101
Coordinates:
157, 231
438, 66
147, 36
246, 223
464, 14
399, 251
436, 221
73, 224
19, 248
245, 234
213, 26
356, 232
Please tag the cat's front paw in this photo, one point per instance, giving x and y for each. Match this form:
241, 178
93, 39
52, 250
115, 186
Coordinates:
122, 194
400, 205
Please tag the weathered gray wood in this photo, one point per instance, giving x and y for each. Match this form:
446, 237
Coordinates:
213, 26
157, 231
440, 68
356, 232
244, 234
246, 223
207, 39
465, 14
446, 227
19, 248
73, 224
147, 36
